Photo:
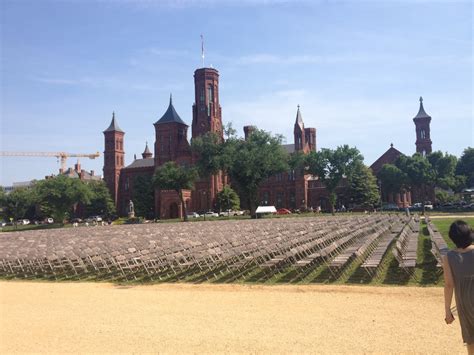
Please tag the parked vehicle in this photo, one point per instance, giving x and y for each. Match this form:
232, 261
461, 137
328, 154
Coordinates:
283, 211
23, 222
231, 213
211, 214
3, 223
193, 215
428, 205
49, 220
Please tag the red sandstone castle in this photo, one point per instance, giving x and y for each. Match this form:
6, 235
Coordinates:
290, 190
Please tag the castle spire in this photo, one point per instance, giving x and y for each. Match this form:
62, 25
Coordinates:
421, 112
146, 154
113, 127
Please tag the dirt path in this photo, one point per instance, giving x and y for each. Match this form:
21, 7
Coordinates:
94, 317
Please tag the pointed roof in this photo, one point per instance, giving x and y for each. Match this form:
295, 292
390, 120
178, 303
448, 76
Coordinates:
299, 119
421, 111
146, 153
170, 115
113, 127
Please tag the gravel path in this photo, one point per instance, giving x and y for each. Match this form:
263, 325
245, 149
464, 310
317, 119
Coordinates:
100, 317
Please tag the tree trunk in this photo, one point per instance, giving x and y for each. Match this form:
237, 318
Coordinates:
332, 201
183, 205
252, 208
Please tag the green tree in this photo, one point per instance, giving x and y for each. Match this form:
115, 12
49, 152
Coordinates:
59, 196
443, 166
465, 166
250, 162
101, 202
227, 199
392, 179
171, 176
209, 150
18, 202
418, 170
144, 196
363, 189
331, 166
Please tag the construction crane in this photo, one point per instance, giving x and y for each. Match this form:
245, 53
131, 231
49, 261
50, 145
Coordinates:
59, 155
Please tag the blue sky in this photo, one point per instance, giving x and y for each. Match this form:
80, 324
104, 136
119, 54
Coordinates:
357, 68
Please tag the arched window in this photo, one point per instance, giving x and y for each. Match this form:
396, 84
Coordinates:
423, 134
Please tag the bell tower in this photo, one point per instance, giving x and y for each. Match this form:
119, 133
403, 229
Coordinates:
113, 157
206, 108
207, 117
422, 125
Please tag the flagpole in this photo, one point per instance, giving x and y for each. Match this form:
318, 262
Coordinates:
202, 50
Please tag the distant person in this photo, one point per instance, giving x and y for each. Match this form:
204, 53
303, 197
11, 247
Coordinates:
458, 266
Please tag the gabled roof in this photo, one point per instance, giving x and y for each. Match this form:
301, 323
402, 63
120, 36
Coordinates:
389, 157
421, 112
170, 116
141, 163
113, 127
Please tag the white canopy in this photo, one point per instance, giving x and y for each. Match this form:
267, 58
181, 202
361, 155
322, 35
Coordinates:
266, 209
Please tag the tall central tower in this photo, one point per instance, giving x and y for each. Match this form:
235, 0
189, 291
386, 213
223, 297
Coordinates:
206, 108
207, 118
422, 123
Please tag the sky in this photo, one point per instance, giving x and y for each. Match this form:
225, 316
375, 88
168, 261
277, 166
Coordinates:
356, 68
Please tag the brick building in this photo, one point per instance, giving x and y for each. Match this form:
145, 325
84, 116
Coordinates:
423, 146
171, 144
291, 189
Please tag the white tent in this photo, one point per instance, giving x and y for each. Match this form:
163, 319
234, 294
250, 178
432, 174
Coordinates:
265, 209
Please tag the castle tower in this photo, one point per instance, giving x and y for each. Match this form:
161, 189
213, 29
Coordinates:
113, 157
206, 108
299, 132
171, 138
207, 117
422, 123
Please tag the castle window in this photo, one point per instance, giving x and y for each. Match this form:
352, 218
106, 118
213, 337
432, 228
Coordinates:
279, 202
291, 175
201, 96
292, 200
279, 177
423, 134
265, 198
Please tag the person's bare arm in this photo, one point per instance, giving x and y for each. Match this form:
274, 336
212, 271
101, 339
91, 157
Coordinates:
448, 290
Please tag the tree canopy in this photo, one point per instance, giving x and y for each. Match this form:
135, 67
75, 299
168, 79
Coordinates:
144, 196
465, 166
331, 166
59, 195
171, 176
227, 199
363, 189
252, 161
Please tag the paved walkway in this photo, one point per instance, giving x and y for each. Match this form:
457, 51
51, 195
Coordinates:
99, 317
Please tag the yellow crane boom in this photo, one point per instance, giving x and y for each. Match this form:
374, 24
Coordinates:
59, 155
